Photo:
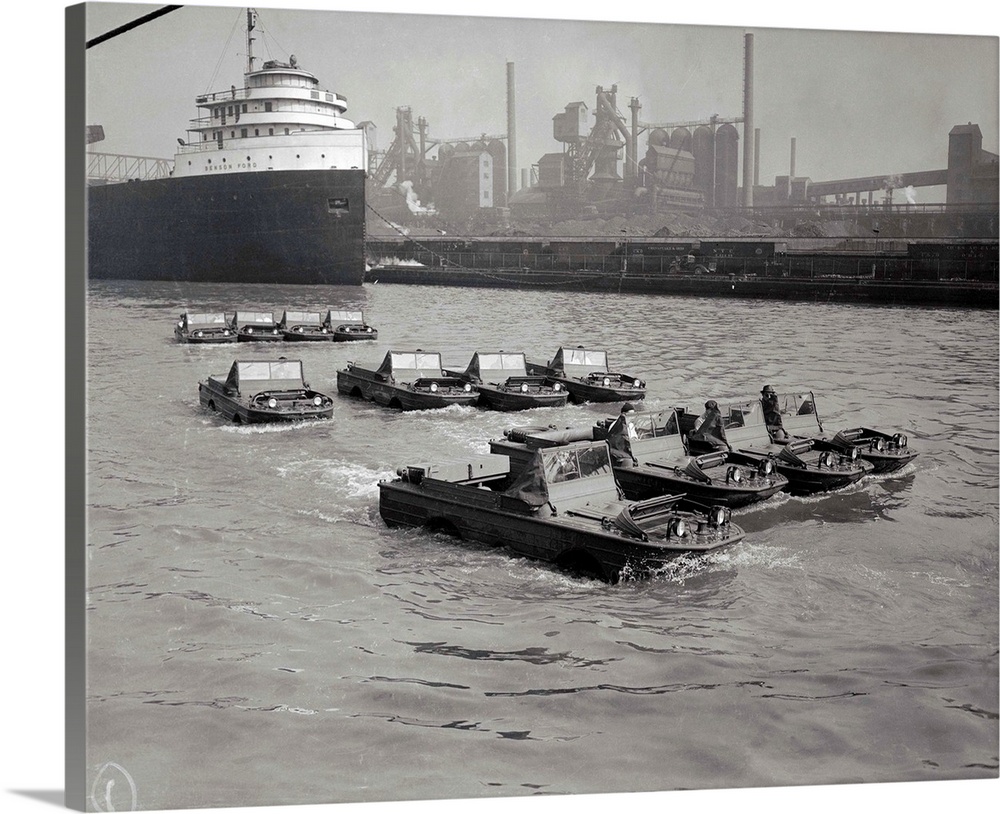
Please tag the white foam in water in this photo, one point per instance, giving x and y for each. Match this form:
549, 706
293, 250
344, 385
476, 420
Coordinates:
362, 516
294, 710
756, 555
352, 480
261, 429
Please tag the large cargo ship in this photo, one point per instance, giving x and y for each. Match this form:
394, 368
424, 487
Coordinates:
269, 187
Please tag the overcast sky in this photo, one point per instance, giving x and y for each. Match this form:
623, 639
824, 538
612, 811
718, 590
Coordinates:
857, 103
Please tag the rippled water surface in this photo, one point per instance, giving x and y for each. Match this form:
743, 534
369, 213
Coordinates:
256, 635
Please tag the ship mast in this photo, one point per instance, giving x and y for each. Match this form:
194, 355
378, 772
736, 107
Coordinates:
251, 22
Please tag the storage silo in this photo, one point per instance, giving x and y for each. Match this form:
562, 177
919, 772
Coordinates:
680, 139
727, 153
703, 149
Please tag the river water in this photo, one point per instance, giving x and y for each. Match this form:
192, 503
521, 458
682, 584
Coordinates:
257, 636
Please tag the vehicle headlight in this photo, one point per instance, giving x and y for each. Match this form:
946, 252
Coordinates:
606, 382
855, 453
467, 388
199, 333
900, 440
434, 387
272, 402
326, 330
826, 459
766, 467
250, 330
678, 528
298, 329
734, 475
368, 328
556, 387
877, 445
318, 401
524, 387
225, 332
637, 383
274, 330
719, 516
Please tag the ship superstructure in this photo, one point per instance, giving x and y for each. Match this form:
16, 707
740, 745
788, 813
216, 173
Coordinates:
281, 119
269, 187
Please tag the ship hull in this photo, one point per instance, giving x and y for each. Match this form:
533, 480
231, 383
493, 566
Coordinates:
290, 226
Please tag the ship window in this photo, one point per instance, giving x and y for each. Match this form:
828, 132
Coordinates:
270, 131
229, 110
286, 131
243, 132
244, 108
215, 112
267, 107
232, 134
338, 205
248, 158
256, 132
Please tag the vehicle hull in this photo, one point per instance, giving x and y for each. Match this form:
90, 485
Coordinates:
883, 461
354, 336
208, 339
474, 515
581, 392
647, 480
493, 397
809, 479
239, 412
246, 227
307, 336
399, 395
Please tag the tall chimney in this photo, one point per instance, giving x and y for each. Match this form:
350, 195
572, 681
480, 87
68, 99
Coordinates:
756, 157
748, 131
511, 140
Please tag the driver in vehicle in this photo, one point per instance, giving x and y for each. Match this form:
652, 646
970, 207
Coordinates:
772, 413
709, 427
620, 436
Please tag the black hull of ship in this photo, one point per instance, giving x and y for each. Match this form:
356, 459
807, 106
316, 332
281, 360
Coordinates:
287, 227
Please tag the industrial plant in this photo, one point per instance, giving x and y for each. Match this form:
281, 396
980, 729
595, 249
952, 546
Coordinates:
612, 164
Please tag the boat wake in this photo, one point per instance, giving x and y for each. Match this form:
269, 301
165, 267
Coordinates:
262, 429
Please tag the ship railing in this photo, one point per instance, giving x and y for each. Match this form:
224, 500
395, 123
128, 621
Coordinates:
240, 94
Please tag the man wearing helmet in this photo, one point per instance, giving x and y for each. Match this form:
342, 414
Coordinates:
709, 428
621, 433
772, 413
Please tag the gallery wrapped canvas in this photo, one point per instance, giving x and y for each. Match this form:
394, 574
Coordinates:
717, 206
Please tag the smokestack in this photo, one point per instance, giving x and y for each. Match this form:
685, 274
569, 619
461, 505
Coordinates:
633, 170
756, 157
748, 131
791, 166
511, 140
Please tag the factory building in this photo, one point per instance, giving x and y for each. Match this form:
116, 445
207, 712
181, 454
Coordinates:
972, 171
599, 170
